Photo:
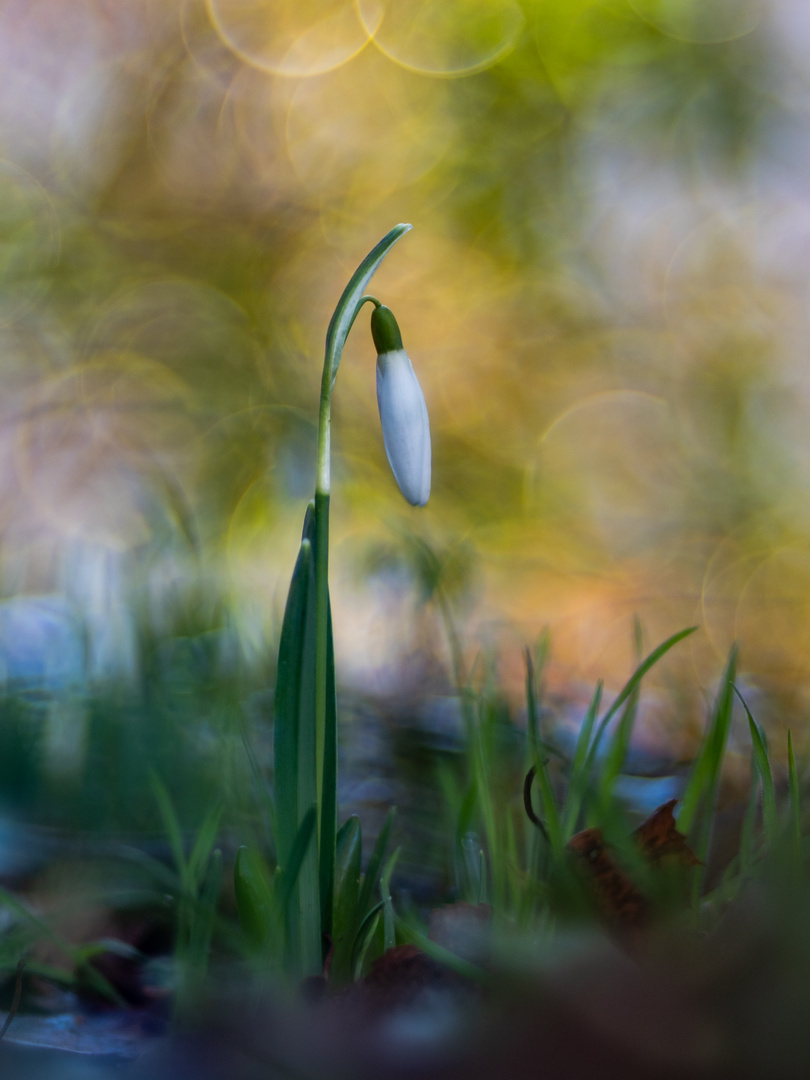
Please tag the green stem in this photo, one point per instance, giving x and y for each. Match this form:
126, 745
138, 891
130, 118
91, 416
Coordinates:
341, 323
323, 485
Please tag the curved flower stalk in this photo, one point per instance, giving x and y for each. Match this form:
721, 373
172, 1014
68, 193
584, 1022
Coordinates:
403, 412
305, 734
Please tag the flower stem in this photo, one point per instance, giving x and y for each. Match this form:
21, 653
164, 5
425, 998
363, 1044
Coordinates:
341, 323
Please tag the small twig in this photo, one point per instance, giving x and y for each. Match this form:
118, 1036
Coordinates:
15, 1003
527, 802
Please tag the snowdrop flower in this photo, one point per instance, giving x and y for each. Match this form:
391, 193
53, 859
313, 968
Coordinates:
403, 413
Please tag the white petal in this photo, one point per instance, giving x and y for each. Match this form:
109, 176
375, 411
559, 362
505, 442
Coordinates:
405, 425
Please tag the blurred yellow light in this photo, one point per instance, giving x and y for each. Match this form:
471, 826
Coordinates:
299, 38
443, 37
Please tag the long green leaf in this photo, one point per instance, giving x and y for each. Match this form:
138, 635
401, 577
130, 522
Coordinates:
372, 875
765, 776
579, 778
328, 831
296, 787
389, 931
364, 934
702, 784
444, 956
617, 751
287, 877
255, 903
347, 892
289, 676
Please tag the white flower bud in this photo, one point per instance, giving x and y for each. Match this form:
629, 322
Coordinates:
403, 413
405, 426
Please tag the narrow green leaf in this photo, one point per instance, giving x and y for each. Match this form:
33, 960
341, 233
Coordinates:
794, 805
487, 808
287, 876
702, 784
548, 805
288, 697
328, 830
372, 874
617, 751
296, 784
368, 928
578, 780
347, 891
203, 845
254, 895
171, 825
203, 923
443, 956
765, 776
389, 931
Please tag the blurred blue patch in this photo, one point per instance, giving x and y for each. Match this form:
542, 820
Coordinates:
41, 643
644, 794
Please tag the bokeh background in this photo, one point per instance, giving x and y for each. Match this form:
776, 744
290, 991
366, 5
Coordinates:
605, 296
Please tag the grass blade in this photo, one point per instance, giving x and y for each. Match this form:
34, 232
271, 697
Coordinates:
578, 780
705, 771
631, 686
617, 751
763, 766
701, 788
